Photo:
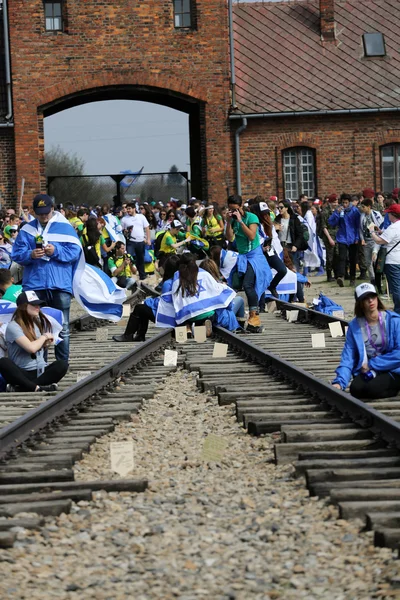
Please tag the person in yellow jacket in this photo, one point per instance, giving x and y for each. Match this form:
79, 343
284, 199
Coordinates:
213, 226
170, 243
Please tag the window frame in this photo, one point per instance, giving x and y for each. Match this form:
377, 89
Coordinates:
299, 165
366, 53
396, 165
53, 17
177, 12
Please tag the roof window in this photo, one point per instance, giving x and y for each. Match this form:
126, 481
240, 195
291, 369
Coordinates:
374, 44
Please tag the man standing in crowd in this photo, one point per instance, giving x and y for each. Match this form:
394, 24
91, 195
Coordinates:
48, 268
390, 238
347, 218
137, 234
371, 220
328, 234
251, 264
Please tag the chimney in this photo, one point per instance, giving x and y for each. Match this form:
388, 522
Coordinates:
327, 14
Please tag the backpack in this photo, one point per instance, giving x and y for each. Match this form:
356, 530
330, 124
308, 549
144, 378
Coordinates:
157, 243
305, 235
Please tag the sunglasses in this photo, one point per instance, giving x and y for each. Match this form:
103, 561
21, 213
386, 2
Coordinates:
280, 207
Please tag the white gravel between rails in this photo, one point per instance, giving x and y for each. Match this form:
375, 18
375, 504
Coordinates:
242, 529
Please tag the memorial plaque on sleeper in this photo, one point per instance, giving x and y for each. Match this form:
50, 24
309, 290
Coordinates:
220, 350
82, 375
121, 454
200, 334
170, 358
181, 334
318, 340
336, 329
214, 448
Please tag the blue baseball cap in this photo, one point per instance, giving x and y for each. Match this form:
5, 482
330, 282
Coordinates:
42, 204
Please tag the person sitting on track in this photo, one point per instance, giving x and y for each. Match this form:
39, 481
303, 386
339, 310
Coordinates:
371, 353
231, 318
28, 335
138, 323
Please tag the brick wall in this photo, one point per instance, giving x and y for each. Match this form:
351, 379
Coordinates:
7, 168
347, 151
123, 49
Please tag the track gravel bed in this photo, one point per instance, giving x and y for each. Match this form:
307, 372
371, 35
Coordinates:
239, 529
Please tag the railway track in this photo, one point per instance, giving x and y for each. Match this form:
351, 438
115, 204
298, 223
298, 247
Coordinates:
346, 451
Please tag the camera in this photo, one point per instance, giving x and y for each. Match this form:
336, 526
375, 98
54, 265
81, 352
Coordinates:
234, 217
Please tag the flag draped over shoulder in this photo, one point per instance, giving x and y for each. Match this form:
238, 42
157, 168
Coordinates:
92, 288
114, 229
210, 295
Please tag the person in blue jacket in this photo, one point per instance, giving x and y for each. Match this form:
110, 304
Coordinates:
138, 323
347, 218
371, 354
48, 267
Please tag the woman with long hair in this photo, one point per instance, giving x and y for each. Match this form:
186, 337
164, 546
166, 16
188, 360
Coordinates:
213, 226
162, 220
267, 234
138, 323
28, 335
232, 317
301, 279
371, 353
149, 215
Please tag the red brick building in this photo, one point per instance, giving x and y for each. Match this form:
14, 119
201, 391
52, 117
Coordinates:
67, 53
321, 102
300, 105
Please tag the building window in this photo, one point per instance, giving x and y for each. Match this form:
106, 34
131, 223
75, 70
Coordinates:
299, 172
53, 16
374, 44
183, 16
390, 163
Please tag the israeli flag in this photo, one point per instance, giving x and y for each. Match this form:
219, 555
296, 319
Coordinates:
228, 262
210, 295
92, 288
114, 229
55, 316
165, 316
287, 285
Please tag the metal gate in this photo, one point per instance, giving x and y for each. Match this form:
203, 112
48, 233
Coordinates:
100, 189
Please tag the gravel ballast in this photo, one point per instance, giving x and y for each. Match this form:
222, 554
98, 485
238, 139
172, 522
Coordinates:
239, 529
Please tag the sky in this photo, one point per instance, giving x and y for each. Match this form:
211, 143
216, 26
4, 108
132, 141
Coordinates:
120, 135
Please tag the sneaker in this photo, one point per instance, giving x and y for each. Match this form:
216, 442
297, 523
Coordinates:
208, 326
10, 388
352, 283
340, 282
48, 388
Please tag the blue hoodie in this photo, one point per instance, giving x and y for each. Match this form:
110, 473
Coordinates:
349, 225
354, 355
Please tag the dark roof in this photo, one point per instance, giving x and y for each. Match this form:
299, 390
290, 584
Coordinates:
282, 65
3, 92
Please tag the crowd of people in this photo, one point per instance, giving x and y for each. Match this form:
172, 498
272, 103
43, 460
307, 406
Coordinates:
206, 254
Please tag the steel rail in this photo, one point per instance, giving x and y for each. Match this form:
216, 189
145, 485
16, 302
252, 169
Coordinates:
308, 315
367, 417
21, 429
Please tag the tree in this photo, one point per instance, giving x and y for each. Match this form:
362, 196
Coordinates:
61, 165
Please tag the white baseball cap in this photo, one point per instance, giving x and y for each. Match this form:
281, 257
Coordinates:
176, 224
263, 206
363, 290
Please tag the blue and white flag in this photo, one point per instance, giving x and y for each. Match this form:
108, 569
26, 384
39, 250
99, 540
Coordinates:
131, 177
114, 229
92, 288
55, 316
210, 295
165, 316
228, 262
287, 285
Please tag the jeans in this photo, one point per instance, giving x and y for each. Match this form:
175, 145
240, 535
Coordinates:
368, 249
352, 248
392, 273
137, 249
28, 380
238, 307
62, 301
249, 282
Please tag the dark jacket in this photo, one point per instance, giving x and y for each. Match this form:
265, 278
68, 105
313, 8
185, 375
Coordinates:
296, 232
